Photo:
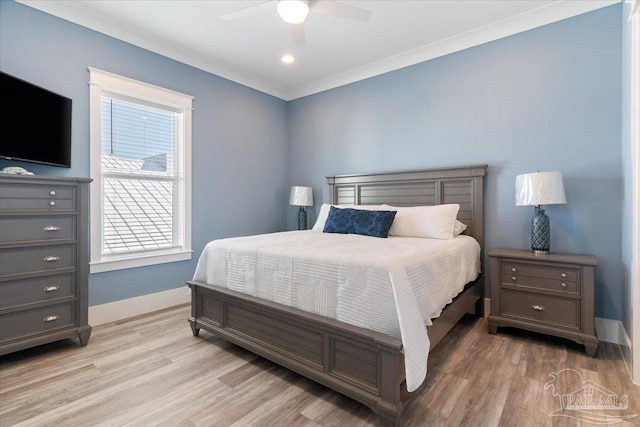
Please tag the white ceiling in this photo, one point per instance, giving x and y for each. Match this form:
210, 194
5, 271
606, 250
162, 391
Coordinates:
337, 51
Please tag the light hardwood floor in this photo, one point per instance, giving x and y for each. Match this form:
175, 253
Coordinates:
152, 371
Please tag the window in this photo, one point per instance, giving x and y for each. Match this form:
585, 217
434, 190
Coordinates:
140, 165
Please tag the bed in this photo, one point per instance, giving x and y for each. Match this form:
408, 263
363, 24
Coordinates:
368, 364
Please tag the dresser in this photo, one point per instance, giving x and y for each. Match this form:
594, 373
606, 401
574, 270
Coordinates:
44, 260
551, 294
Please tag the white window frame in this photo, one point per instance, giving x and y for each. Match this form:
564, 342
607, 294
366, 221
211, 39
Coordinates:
634, 19
113, 83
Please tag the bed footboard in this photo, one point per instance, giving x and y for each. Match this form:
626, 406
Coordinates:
364, 365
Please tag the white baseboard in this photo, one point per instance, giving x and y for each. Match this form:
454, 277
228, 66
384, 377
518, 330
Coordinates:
625, 349
609, 330
118, 310
613, 331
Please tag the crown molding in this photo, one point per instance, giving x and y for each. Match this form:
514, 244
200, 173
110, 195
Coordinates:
77, 14
543, 15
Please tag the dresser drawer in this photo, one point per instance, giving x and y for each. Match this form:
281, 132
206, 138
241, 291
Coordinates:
36, 321
559, 311
29, 229
37, 259
27, 291
40, 198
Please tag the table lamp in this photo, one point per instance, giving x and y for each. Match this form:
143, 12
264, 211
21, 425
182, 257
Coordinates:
301, 196
537, 189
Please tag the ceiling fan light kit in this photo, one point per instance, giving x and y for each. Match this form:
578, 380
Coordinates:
293, 11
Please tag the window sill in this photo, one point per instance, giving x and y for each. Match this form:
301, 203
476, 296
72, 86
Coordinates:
140, 261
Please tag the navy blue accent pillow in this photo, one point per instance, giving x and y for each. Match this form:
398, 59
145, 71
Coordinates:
357, 221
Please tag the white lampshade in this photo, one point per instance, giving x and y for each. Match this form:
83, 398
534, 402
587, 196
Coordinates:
301, 196
539, 188
293, 11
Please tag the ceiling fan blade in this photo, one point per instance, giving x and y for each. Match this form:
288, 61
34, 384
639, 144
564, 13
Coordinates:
248, 11
341, 10
299, 37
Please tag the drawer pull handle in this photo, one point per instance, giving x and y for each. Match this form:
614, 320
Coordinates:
51, 318
563, 275
514, 278
513, 269
564, 285
51, 288
52, 193
52, 203
51, 258
537, 307
52, 228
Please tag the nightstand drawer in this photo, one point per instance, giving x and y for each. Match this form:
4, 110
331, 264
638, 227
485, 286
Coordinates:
36, 321
27, 291
539, 283
552, 309
48, 228
540, 271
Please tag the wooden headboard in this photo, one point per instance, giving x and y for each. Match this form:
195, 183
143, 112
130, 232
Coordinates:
462, 185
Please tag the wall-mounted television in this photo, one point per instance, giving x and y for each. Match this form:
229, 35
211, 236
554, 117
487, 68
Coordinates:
35, 122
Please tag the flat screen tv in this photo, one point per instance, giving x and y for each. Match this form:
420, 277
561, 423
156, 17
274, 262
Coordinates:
35, 122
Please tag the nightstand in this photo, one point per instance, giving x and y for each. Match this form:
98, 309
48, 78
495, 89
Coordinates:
551, 294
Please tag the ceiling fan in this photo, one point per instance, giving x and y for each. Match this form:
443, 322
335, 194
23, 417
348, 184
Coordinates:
295, 12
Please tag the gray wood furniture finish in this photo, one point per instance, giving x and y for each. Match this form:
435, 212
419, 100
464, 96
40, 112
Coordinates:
44, 264
552, 294
362, 364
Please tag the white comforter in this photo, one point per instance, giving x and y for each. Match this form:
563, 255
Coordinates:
394, 285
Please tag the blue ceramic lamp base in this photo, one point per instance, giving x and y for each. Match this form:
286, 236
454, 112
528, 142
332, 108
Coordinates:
302, 218
540, 234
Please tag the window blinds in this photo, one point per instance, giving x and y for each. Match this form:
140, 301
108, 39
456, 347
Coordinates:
141, 146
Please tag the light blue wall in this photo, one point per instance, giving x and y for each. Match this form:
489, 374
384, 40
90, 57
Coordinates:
546, 99
239, 135
627, 139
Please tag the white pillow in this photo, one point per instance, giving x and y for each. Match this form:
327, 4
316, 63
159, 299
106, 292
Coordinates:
458, 227
324, 213
436, 222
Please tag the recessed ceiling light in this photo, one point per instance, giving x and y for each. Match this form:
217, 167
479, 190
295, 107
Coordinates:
287, 58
